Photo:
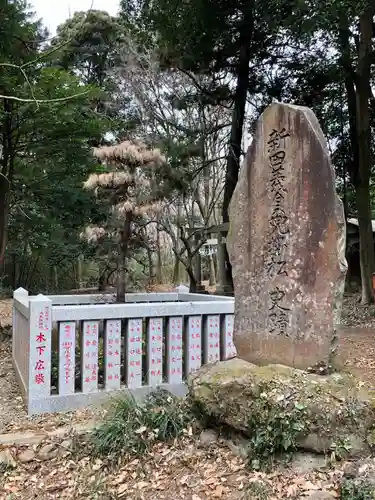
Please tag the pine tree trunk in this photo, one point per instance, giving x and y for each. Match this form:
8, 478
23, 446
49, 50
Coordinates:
177, 265
176, 272
212, 279
121, 273
151, 273
358, 96
80, 261
366, 241
238, 117
122, 256
102, 282
159, 278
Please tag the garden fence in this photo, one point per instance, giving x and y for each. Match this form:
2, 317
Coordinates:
70, 351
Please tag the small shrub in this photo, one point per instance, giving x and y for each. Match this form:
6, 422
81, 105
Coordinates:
133, 427
274, 429
4, 468
98, 490
167, 416
256, 490
354, 490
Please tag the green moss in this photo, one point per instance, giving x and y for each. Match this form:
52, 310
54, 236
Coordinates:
336, 406
371, 437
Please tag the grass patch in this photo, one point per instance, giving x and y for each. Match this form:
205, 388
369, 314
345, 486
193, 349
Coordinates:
98, 490
354, 490
274, 430
256, 490
133, 427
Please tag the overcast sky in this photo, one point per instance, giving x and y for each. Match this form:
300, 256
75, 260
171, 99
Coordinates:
55, 12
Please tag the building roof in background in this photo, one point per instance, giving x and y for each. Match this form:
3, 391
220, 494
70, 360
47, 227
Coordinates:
354, 222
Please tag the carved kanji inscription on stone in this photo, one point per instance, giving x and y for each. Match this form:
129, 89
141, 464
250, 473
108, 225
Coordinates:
287, 243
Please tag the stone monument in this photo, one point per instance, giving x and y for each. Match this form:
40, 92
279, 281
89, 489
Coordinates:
287, 243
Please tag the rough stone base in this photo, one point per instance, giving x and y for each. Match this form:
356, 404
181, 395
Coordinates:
339, 413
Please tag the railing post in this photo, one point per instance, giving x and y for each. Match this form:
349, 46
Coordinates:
182, 288
40, 342
18, 294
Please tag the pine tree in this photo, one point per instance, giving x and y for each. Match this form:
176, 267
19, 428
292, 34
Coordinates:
127, 186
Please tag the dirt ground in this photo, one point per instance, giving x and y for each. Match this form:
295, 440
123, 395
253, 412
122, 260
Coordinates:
183, 470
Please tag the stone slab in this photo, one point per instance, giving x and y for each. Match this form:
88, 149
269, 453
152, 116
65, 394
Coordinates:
287, 243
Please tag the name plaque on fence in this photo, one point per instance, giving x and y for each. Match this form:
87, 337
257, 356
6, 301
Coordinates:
40, 348
90, 341
134, 354
155, 352
174, 353
194, 344
67, 354
212, 339
228, 344
112, 354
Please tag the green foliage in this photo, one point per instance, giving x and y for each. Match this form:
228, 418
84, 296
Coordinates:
133, 427
88, 43
256, 490
274, 429
45, 158
354, 490
49, 206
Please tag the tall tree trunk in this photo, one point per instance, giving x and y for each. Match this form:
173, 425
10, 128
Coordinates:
366, 241
102, 282
159, 278
7, 167
177, 265
14, 271
151, 273
80, 262
212, 276
55, 279
121, 270
358, 94
122, 257
238, 117
4, 213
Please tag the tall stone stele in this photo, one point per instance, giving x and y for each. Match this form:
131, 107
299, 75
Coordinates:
287, 244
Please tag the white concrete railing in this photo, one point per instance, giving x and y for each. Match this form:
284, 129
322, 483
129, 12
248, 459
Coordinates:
72, 350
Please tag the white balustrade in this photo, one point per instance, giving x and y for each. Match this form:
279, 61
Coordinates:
151, 340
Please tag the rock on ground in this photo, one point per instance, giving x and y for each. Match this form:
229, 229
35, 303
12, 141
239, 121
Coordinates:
48, 451
303, 463
6, 458
319, 495
26, 456
208, 437
337, 412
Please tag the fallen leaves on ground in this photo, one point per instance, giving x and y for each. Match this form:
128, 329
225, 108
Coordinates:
180, 470
356, 315
6, 306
